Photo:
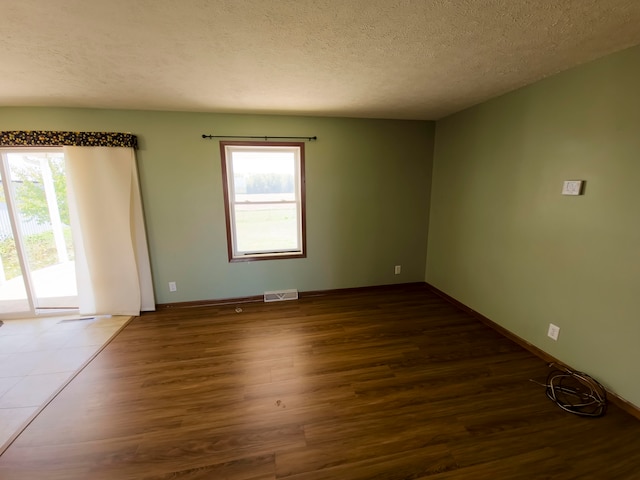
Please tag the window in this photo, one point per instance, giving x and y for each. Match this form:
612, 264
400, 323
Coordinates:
264, 199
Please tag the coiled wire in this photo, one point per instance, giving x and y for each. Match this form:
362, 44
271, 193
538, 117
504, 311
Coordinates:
576, 392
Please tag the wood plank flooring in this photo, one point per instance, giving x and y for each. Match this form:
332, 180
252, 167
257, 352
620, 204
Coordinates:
389, 383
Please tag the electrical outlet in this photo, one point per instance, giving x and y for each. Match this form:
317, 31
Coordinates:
172, 286
398, 269
553, 332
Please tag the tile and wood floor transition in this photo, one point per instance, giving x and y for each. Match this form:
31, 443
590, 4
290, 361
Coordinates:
38, 356
383, 384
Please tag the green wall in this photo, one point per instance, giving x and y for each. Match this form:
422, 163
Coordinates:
502, 239
368, 187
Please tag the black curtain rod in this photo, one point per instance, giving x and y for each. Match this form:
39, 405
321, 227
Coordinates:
265, 138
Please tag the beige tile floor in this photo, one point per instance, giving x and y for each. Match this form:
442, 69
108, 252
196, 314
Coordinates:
39, 356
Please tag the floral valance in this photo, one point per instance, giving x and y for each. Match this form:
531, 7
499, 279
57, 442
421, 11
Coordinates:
43, 138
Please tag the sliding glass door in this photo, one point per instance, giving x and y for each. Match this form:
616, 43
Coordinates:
36, 250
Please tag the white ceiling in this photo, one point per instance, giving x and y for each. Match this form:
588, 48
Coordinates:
403, 59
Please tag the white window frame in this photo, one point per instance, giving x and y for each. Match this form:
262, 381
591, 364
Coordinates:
227, 149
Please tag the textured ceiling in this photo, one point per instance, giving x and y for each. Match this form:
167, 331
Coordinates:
404, 59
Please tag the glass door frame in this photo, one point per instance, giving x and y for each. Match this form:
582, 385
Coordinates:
19, 239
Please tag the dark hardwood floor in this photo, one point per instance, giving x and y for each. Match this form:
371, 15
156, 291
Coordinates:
391, 383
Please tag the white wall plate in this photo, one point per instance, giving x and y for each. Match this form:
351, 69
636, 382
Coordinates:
572, 187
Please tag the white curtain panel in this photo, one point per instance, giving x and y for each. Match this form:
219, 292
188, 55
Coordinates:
112, 258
